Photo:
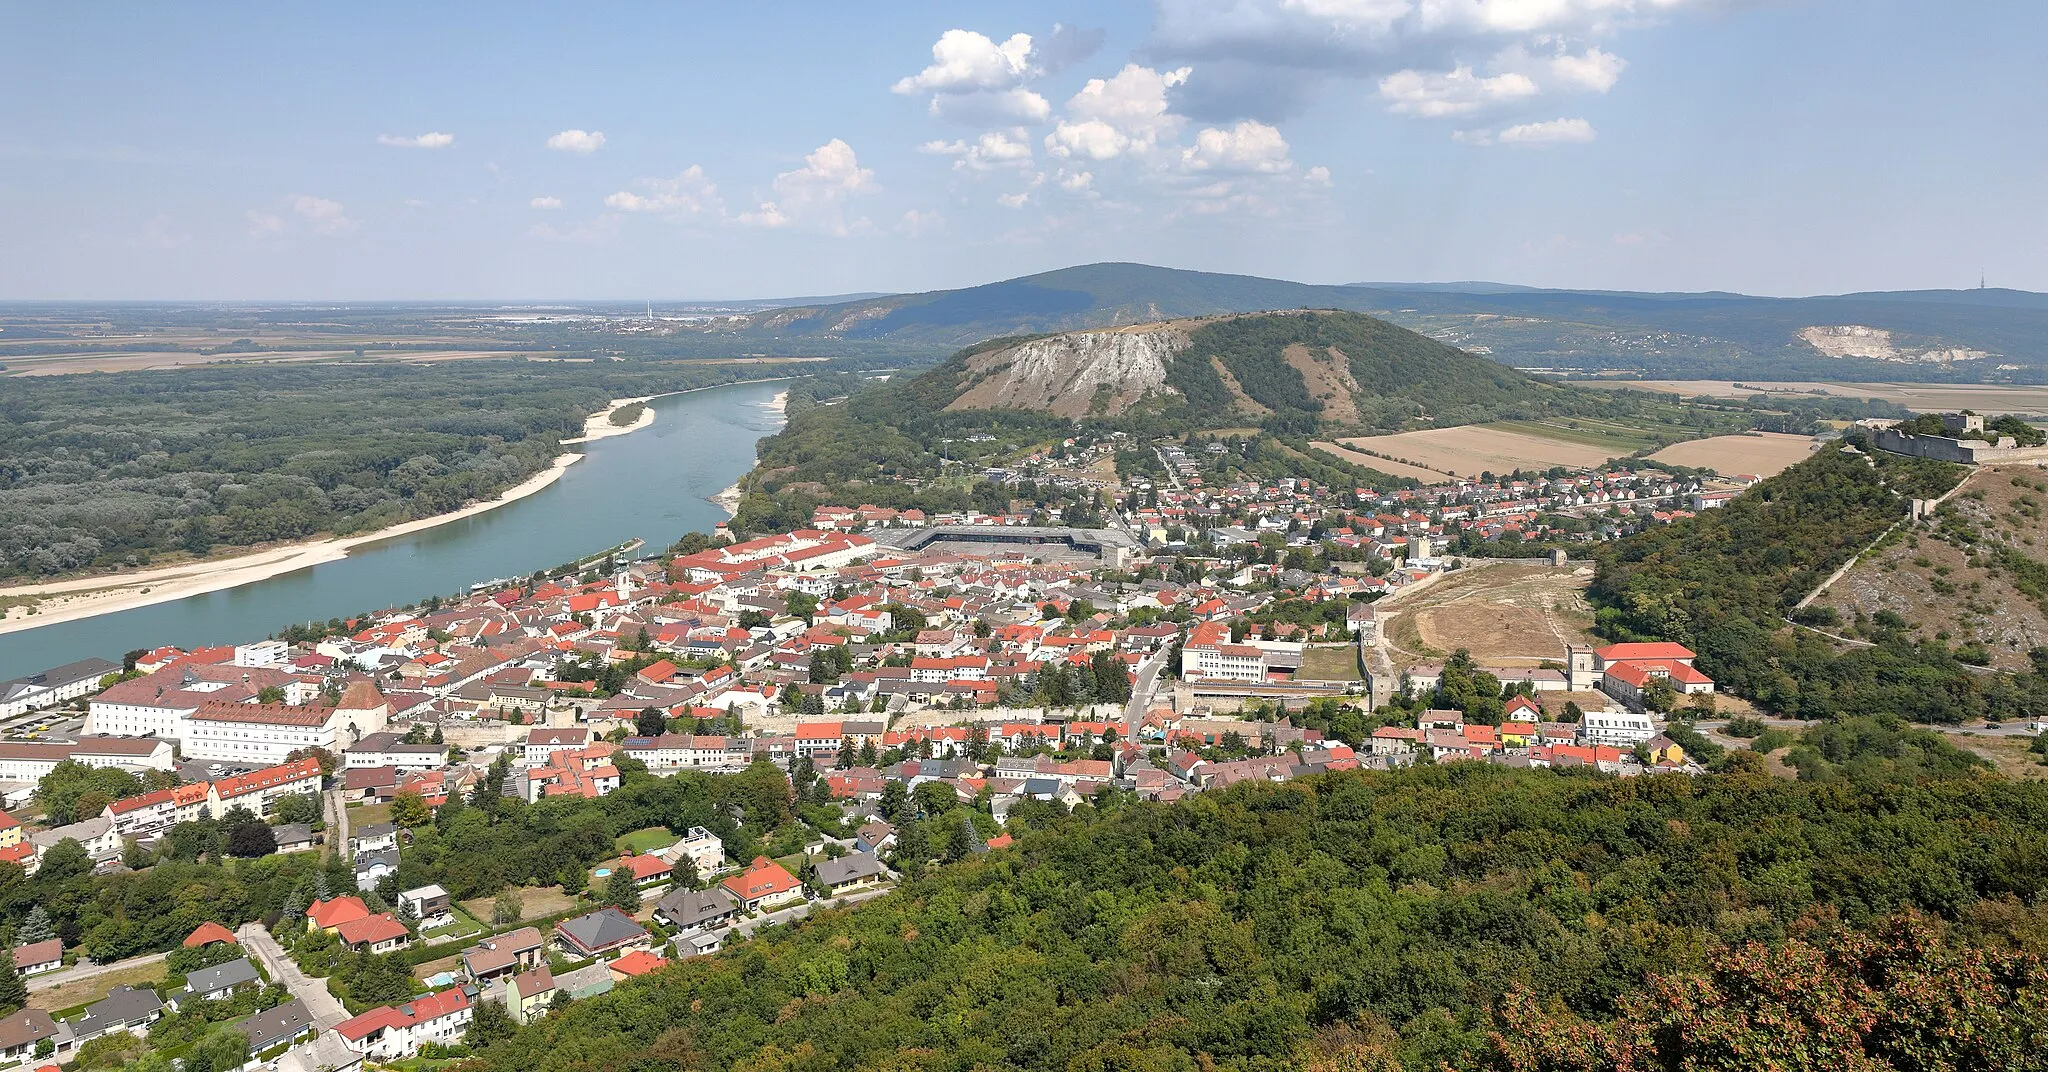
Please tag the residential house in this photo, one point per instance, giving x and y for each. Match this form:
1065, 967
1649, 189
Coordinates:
381, 933
430, 905
125, 1008
21, 1031
696, 910
505, 954
528, 994
595, 934
393, 1033
284, 1025
851, 872
763, 886
220, 981
39, 958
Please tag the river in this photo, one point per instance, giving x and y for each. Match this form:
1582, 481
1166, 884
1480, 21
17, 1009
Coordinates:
654, 484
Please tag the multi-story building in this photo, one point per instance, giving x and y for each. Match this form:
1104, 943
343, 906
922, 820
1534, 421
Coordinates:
29, 761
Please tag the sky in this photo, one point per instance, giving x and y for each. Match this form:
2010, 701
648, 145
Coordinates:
526, 151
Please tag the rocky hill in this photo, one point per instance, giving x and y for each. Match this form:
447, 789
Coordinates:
1309, 368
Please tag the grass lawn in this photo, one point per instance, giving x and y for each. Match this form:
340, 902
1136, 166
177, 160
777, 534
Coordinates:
464, 926
87, 991
648, 840
362, 815
1337, 662
539, 900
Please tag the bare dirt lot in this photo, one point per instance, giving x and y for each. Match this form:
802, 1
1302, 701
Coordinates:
1474, 449
1955, 580
1756, 454
1506, 614
1919, 397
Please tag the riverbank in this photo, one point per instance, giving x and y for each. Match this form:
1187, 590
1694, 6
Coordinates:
729, 499
599, 425
86, 597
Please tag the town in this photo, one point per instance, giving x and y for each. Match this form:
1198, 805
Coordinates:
886, 669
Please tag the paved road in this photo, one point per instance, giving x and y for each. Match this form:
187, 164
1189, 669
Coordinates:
1141, 689
337, 824
325, 1007
82, 972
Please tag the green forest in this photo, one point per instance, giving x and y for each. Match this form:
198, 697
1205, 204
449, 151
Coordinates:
108, 471
1724, 582
1464, 916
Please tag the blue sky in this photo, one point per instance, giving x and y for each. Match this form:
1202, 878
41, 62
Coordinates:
418, 151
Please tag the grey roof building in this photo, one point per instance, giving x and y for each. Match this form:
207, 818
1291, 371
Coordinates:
599, 932
692, 909
850, 870
220, 981
276, 1027
125, 1008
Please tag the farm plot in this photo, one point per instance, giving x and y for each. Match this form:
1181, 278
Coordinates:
1479, 448
1763, 454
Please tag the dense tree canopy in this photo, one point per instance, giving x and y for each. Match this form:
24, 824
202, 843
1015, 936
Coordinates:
1451, 914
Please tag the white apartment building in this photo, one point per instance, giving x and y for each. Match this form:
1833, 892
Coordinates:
1617, 729
29, 761
264, 734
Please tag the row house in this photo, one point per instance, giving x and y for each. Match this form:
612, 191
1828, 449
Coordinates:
396, 1032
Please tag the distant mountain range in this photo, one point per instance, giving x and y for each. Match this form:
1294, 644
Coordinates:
1964, 335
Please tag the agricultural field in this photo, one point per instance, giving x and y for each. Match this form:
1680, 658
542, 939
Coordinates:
1470, 450
1391, 468
1919, 397
1506, 614
1978, 574
1763, 454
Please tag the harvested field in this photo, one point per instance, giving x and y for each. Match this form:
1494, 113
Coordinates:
1919, 397
1475, 449
1758, 453
1510, 613
1427, 476
540, 901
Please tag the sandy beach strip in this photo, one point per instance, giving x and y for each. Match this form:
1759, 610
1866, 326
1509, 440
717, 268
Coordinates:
599, 425
85, 597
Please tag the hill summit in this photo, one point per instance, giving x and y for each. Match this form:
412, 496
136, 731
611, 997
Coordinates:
1307, 368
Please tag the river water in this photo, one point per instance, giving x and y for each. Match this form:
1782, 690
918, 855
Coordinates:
653, 484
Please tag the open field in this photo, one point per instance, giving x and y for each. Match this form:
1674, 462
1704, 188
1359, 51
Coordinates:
1757, 453
1919, 397
1474, 449
1337, 662
87, 991
1508, 613
540, 901
1427, 476
648, 840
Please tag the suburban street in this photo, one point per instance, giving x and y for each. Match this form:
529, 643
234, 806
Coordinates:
82, 972
1141, 689
324, 1007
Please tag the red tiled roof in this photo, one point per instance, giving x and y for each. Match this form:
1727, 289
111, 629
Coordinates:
207, 934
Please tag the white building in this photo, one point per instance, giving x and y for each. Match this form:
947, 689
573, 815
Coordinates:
702, 848
59, 684
1616, 729
264, 734
29, 761
266, 653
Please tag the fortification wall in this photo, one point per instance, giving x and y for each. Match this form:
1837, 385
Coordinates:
1965, 451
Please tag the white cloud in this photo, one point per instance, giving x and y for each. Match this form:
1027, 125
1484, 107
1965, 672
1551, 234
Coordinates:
1018, 200
1126, 113
991, 150
430, 140
549, 203
688, 194
916, 222
1553, 132
1434, 95
1593, 71
964, 61
1076, 182
1015, 105
301, 212
1317, 176
812, 195
1250, 146
577, 141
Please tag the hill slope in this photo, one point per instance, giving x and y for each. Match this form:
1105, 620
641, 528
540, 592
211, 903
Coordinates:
1297, 369
1926, 335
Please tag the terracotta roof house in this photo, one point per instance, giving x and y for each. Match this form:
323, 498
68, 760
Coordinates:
763, 885
208, 933
331, 914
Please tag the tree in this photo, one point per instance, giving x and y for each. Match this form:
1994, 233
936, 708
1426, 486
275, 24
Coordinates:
961, 842
13, 991
507, 907
488, 1023
620, 891
410, 811
894, 796
867, 752
73, 791
650, 722
297, 808
62, 862
328, 760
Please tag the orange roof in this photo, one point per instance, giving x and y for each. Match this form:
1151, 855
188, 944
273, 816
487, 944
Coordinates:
638, 962
1660, 650
207, 934
370, 930
1000, 841
763, 878
334, 913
